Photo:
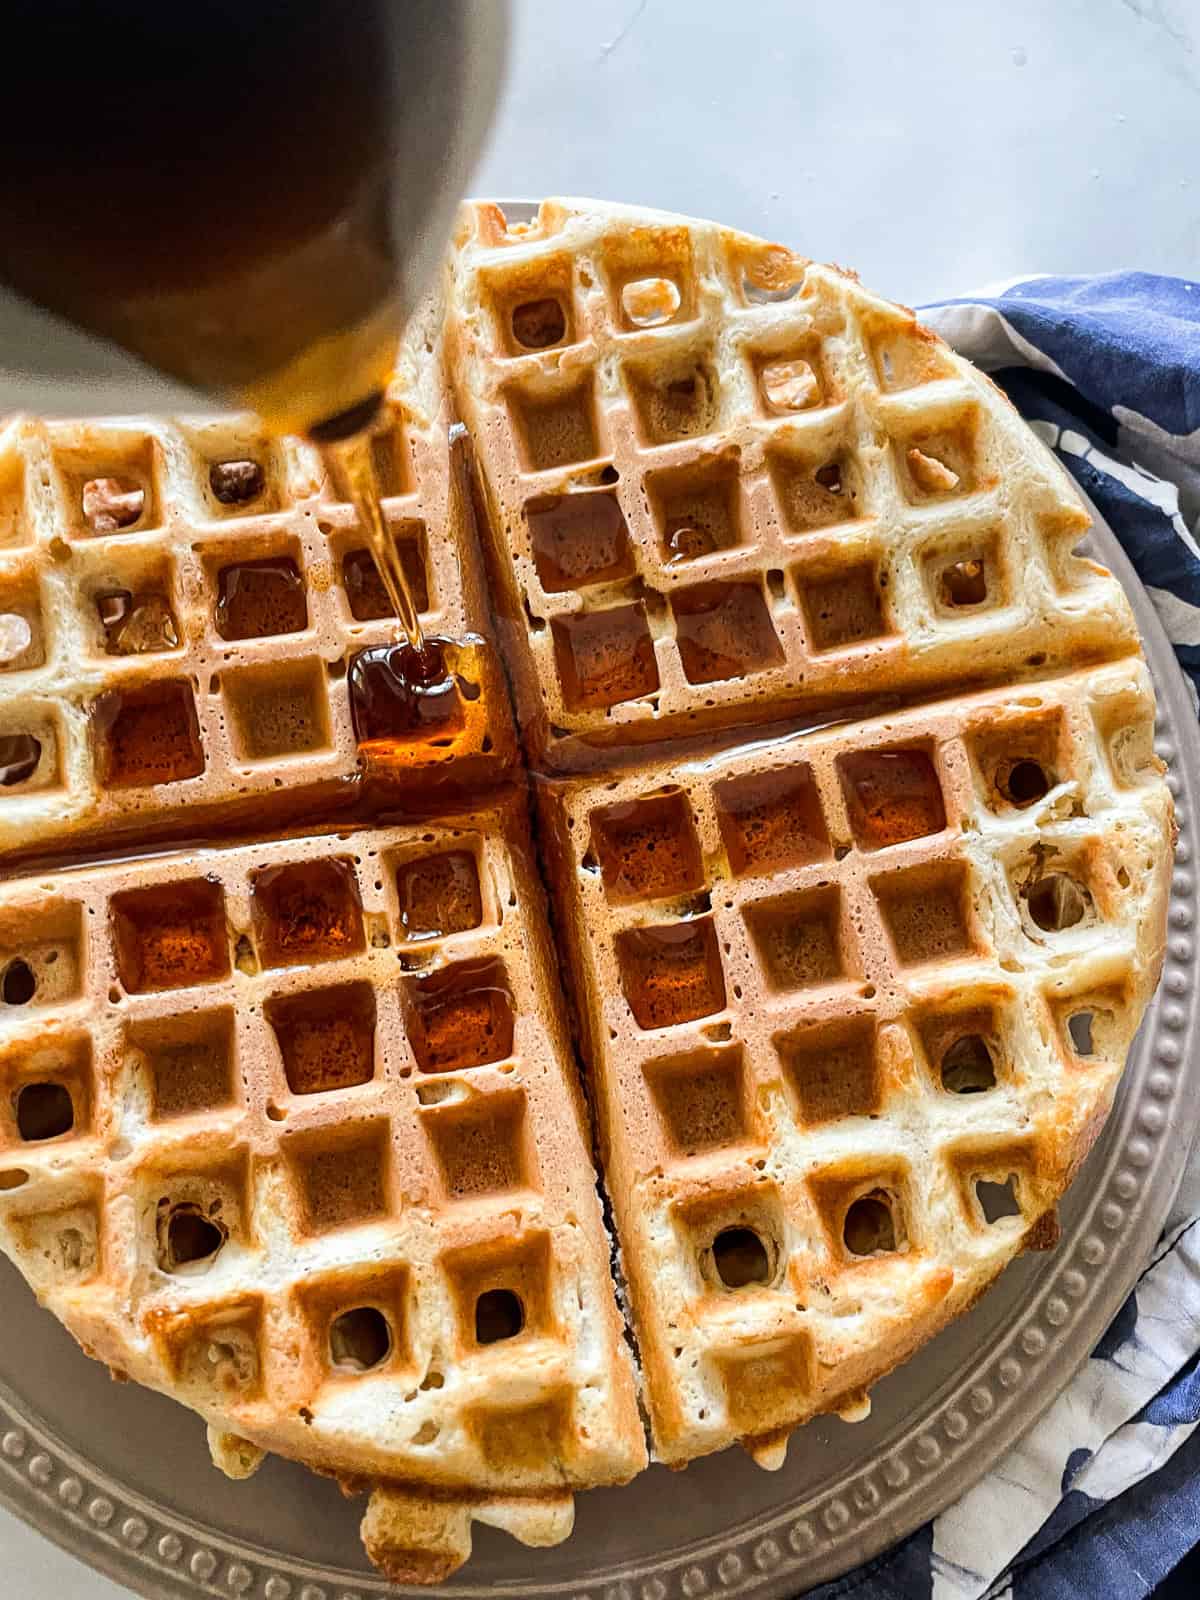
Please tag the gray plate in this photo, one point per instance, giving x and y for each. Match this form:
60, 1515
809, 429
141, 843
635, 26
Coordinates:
120, 1476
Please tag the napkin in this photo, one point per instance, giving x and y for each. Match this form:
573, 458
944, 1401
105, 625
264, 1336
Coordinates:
1102, 1495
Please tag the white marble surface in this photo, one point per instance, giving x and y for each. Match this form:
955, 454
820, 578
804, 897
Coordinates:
936, 146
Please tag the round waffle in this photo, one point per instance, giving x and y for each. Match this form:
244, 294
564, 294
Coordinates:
846, 797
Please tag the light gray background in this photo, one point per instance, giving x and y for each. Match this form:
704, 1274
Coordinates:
936, 146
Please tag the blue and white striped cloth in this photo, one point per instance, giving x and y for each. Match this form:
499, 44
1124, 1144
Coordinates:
1102, 1498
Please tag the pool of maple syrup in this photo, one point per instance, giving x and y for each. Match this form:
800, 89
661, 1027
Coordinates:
399, 694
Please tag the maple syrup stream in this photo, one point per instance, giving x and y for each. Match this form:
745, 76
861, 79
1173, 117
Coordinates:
401, 691
349, 465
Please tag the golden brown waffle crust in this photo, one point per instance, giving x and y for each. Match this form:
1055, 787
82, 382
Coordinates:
681, 423
848, 804
414, 1191
727, 1120
251, 725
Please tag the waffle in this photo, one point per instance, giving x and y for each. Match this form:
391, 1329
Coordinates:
291, 1132
856, 1005
290, 1129
178, 607
728, 486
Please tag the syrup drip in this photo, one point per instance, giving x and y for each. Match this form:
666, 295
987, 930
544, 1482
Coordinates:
350, 465
400, 692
